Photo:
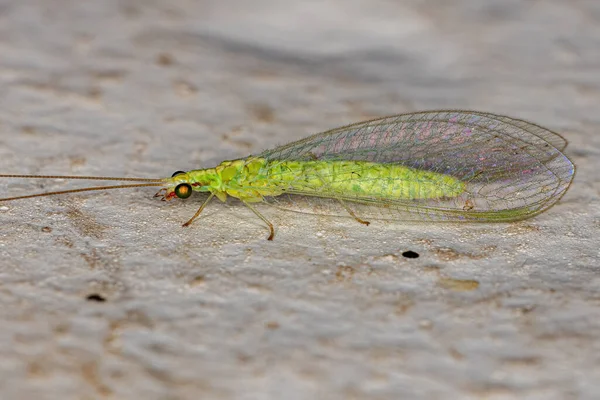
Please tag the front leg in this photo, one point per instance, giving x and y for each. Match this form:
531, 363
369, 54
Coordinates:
199, 210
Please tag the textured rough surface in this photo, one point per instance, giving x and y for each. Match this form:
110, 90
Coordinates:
105, 295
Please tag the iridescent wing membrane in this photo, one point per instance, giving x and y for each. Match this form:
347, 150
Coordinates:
512, 169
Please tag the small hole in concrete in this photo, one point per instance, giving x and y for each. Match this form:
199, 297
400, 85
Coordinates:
410, 254
96, 297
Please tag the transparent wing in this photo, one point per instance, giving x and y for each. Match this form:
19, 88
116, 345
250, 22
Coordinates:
512, 169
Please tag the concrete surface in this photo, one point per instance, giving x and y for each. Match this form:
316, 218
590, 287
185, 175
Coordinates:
105, 295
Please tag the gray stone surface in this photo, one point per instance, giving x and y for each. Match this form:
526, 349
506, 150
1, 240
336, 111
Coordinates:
330, 309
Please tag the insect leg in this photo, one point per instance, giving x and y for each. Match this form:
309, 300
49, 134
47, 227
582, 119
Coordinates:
266, 221
362, 221
199, 210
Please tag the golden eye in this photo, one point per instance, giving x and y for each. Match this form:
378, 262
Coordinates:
183, 190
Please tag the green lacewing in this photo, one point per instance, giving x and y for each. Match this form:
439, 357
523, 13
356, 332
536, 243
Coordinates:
447, 165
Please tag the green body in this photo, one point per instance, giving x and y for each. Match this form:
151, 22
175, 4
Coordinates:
254, 178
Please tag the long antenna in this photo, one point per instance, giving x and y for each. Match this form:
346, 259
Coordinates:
89, 178
158, 183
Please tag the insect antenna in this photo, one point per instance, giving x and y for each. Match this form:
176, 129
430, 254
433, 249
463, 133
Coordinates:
87, 178
146, 182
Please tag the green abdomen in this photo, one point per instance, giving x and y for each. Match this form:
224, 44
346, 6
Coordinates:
353, 179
